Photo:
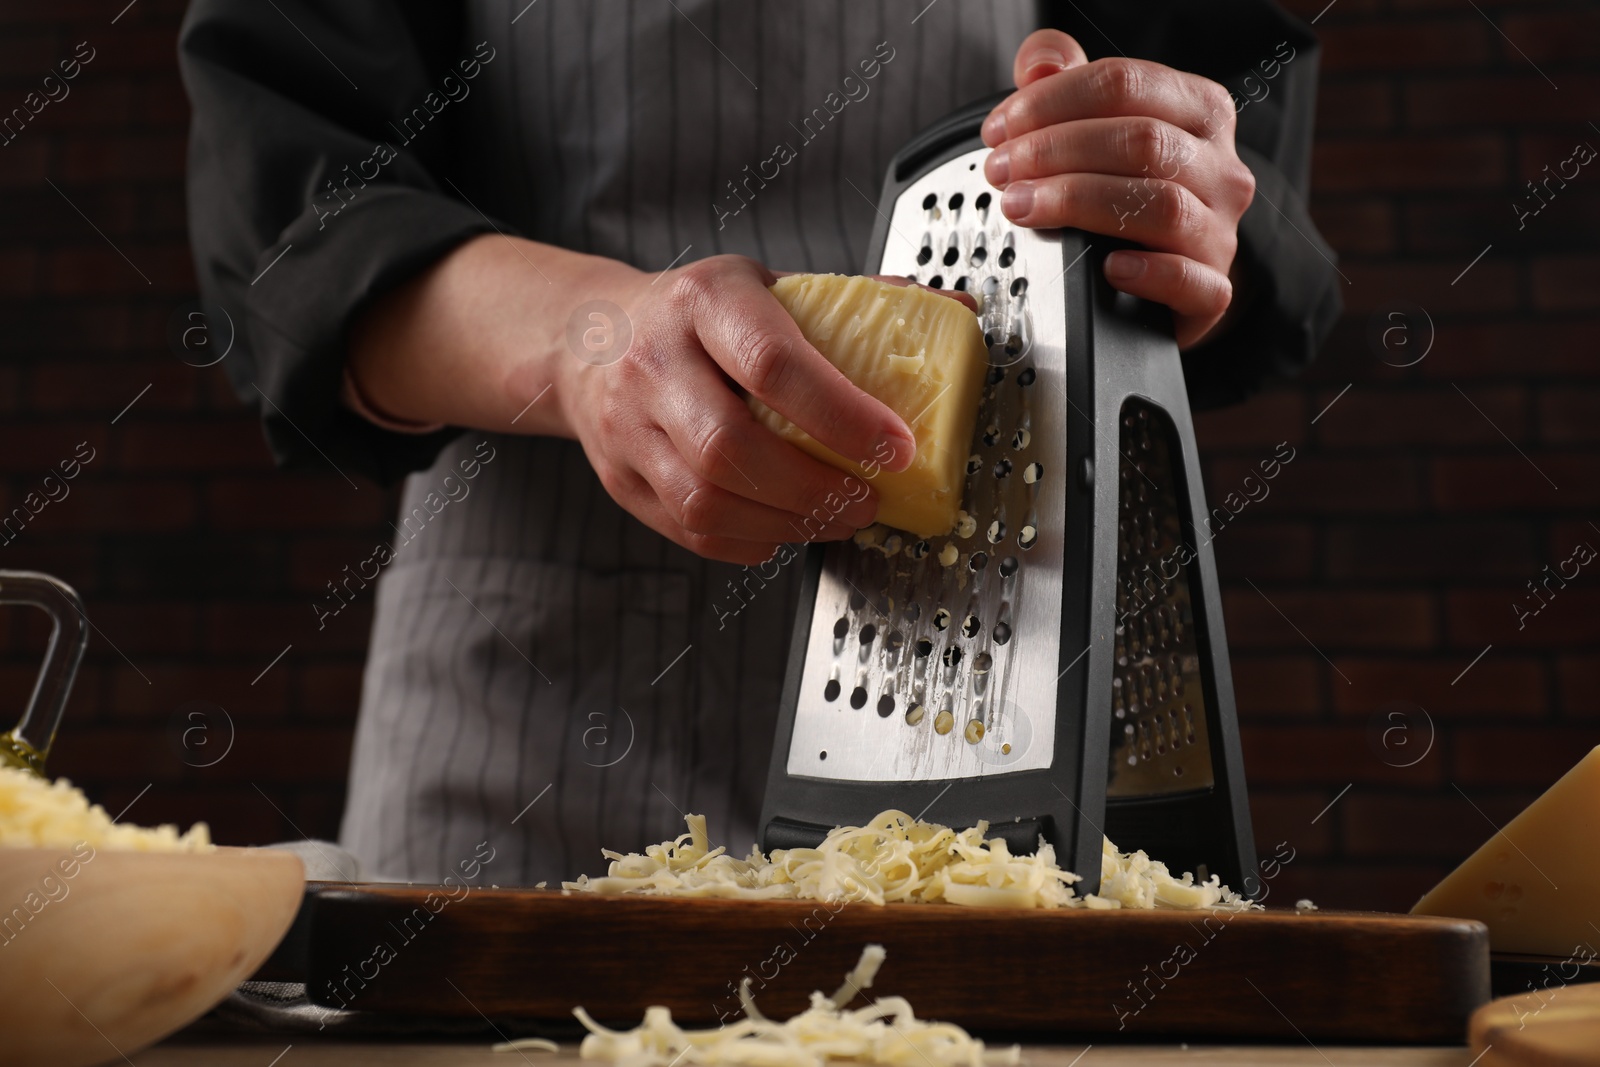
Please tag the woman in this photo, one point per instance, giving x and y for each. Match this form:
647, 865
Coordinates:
495, 248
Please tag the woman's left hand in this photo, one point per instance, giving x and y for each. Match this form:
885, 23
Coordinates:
1130, 149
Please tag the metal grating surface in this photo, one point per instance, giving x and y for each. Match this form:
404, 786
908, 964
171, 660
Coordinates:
916, 669
1159, 742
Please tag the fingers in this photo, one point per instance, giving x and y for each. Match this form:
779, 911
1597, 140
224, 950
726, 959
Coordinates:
1114, 88
1159, 214
640, 499
1136, 147
1045, 52
1198, 294
746, 331
723, 443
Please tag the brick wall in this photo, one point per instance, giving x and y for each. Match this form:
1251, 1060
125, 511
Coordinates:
1386, 558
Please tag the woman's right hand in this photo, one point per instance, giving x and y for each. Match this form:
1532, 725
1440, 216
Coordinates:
676, 445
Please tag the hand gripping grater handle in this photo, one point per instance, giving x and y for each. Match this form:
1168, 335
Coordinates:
1069, 676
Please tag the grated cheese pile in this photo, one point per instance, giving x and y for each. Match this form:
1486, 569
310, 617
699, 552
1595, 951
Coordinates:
887, 1033
897, 859
35, 813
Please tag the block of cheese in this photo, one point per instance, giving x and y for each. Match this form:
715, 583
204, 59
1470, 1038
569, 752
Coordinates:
1535, 883
1555, 1026
923, 356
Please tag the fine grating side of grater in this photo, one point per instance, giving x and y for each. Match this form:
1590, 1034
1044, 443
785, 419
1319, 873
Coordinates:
1066, 674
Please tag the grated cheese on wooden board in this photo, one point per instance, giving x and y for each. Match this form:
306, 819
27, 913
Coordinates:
35, 813
887, 1033
897, 859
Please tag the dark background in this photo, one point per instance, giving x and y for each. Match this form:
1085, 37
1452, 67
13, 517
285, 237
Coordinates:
1388, 555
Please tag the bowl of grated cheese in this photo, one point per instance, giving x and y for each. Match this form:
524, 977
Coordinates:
113, 936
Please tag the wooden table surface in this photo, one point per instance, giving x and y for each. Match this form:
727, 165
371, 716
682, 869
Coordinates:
215, 1051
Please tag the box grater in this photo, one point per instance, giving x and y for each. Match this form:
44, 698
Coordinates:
1067, 674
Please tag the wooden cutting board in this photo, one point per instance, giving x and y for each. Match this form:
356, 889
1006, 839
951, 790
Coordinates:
531, 954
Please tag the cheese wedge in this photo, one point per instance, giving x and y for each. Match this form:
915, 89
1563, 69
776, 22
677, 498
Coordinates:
1555, 1025
923, 356
1535, 883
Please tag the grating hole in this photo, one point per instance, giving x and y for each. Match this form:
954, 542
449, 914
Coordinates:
1032, 472
936, 282
868, 633
830, 692
973, 732
923, 255
914, 610
929, 202
823, 754
982, 663
924, 647
961, 284
858, 698
1002, 467
943, 722
979, 254
997, 533
1020, 439
982, 203
1007, 257
974, 465
841, 628
885, 706
1008, 566
978, 560
993, 336
1026, 377
915, 714
941, 619
950, 256
917, 551
991, 286
991, 435
1002, 632
1019, 286
952, 656
956, 201
970, 626
996, 375
895, 641
1028, 536
858, 601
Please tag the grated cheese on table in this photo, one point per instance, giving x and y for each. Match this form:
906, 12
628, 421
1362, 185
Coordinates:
897, 859
887, 1033
35, 813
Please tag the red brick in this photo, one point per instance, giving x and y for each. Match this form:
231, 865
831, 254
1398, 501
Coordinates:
171, 686
1344, 105
1315, 484
1551, 36
1569, 416
1541, 156
234, 445
1569, 617
162, 104
1364, 227
1404, 47
328, 691
262, 630
1285, 815
1490, 285
37, 449
1512, 100
1409, 163
137, 48
1329, 620
1566, 283
1453, 551
1565, 537
1486, 757
142, 628
284, 755
106, 386
273, 502
124, 506
1520, 349
1330, 14
98, 270
1332, 756
27, 160
1431, 417
132, 158
1384, 886
19, 272
1265, 551
1256, 425
315, 561
1505, 685
1408, 827
1513, 482
1279, 685
1460, 225
1580, 685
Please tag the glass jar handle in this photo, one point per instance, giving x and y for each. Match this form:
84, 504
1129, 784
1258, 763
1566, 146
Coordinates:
28, 743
